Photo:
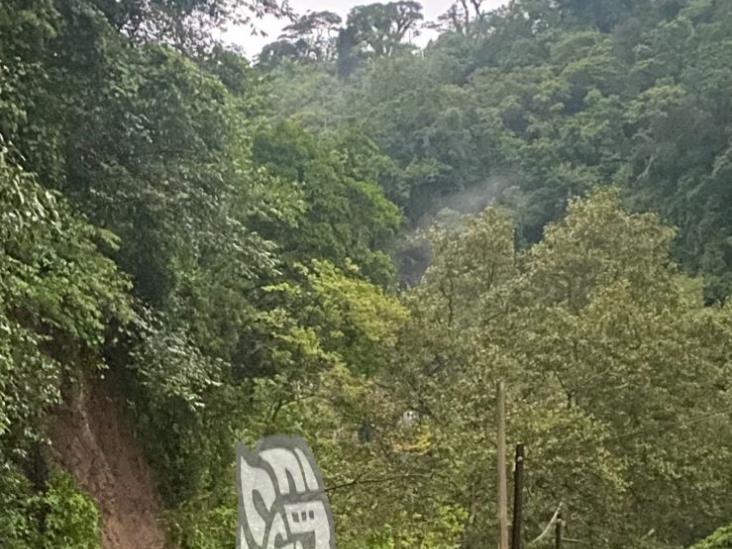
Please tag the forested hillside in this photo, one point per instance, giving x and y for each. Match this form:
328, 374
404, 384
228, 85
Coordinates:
349, 231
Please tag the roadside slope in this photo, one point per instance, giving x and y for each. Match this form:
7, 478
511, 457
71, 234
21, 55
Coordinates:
94, 442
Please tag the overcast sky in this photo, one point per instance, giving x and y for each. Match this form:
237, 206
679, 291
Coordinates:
253, 44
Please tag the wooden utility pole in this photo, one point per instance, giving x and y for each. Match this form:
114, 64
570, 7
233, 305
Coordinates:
558, 537
518, 488
502, 484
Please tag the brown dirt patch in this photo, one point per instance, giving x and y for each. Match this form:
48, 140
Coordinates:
93, 440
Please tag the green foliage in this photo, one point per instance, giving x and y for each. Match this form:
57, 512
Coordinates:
201, 523
542, 101
721, 539
18, 527
350, 317
610, 358
72, 519
60, 516
347, 218
58, 296
57, 291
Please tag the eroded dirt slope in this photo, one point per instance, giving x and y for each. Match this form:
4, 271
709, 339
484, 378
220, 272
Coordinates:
94, 441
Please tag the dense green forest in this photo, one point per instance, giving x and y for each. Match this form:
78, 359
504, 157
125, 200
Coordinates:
350, 228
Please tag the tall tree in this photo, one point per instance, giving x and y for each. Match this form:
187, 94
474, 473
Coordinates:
461, 16
378, 30
312, 37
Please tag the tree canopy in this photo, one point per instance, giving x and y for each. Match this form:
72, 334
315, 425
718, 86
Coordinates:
353, 231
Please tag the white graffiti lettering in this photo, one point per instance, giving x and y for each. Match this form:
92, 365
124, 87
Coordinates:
282, 502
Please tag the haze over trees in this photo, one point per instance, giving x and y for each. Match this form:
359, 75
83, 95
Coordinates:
350, 228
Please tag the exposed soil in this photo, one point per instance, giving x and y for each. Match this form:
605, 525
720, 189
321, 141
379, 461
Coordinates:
94, 442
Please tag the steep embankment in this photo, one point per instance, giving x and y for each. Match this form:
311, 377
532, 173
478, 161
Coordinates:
93, 440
